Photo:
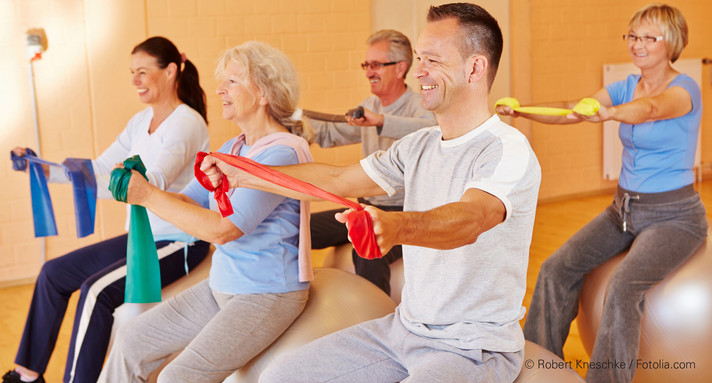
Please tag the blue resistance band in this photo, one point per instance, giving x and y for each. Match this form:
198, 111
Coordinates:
80, 172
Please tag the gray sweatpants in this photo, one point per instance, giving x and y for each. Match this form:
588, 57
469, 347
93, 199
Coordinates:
382, 350
662, 231
218, 333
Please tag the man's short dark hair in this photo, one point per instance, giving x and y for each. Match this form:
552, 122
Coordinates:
481, 32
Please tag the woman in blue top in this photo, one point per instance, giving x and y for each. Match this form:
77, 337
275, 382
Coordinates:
256, 287
656, 212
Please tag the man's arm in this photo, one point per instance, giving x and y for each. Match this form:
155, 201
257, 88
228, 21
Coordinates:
446, 227
328, 134
408, 118
343, 181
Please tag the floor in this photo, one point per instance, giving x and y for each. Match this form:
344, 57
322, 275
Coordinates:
555, 222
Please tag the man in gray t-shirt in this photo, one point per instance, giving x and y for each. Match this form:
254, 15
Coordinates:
392, 112
471, 186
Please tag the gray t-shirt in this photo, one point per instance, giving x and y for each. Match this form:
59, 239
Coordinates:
469, 297
401, 118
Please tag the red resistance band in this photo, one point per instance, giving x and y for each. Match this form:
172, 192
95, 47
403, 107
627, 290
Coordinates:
359, 221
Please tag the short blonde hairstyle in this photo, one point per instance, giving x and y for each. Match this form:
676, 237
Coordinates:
273, 74
671, 22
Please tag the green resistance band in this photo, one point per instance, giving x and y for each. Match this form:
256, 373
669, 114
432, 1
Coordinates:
586, 107
143, 274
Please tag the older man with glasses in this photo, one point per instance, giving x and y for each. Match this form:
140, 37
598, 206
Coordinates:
392, 112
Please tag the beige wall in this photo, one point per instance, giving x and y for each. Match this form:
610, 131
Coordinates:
558, 50
85, 96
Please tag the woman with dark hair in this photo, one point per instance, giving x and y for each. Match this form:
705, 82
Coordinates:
187, 80
167, 135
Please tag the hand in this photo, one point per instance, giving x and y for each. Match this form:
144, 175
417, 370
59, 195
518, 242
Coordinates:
385, 226
139, 190
210, 168
215, 169
18, 151
369, 119
506, 110
505, 106
21, 152
603, 114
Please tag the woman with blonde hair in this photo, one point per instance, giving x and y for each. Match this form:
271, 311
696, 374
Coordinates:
258, 283
656, 214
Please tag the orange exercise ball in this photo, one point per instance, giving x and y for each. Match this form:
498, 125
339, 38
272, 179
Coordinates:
676, 332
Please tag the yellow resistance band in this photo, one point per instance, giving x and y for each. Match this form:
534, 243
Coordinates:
586, 107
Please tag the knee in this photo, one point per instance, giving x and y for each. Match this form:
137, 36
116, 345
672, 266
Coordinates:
96, 295
51, 270
170, 374
126, 343
553, 267
623, 291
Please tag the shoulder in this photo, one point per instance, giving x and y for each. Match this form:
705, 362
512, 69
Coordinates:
225, 148
497, 138
189, 115
686, 82
372, 102
419, 140
494, 129
143, 116
185, 123
424, 135
501, 128
630, 81
278, 155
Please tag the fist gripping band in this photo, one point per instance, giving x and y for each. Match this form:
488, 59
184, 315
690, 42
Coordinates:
143, 274
80, 172
359, 221
586, 107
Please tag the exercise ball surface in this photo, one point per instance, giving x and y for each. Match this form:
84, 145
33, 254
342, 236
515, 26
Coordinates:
676, 330
337, 299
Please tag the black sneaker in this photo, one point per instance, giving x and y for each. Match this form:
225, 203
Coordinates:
13, 377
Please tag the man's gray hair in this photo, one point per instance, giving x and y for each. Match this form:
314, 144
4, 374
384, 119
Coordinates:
399, 48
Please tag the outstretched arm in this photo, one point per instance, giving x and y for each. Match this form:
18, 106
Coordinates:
672, 103
395, 126
182, 211
601, 96
343, 181
446, 227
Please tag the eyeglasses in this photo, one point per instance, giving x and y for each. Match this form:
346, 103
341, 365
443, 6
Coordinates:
374, 66
631, 39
